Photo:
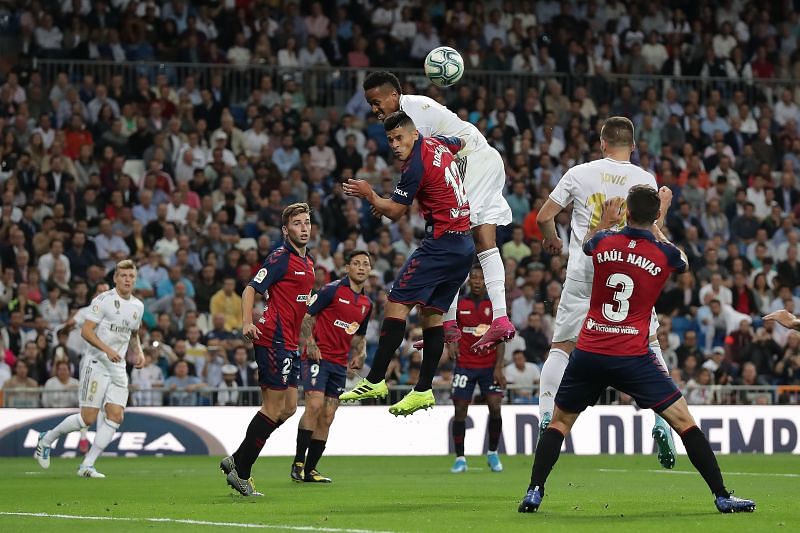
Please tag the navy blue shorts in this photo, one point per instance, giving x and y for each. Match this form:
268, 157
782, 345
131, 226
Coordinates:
435, 271
278, 368
589, 374
325, 377
465, 379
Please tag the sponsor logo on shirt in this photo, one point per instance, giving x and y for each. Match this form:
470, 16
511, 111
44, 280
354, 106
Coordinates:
399, 192
299, 273
455, 212
477, 331
303, 297
607, 328
344, 301
349, 327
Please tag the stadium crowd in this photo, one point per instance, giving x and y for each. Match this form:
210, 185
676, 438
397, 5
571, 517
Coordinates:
190, 183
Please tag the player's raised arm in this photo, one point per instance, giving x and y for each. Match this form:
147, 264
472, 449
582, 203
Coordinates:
784, 318
612, 215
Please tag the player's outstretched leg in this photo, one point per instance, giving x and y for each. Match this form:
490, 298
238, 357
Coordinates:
547, 453
393, 329
552, 372
494, 273
46, 439
703, 459
662, 433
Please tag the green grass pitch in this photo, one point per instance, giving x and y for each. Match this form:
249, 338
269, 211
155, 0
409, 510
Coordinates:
584, 493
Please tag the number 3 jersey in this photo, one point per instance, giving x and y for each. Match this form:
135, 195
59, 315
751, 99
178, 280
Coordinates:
630, 270
117, 318
432, 176
587, 187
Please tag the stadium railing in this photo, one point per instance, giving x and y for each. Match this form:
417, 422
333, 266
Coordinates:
517, 394
334, 86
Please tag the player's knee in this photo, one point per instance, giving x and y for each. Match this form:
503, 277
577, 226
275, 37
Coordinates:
115, 416
89, 416
288, 411
494, 410
460, 412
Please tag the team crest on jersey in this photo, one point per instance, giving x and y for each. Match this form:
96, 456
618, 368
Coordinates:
349, 327
116, 304
632, 244
487, 311
363, 309
134, 315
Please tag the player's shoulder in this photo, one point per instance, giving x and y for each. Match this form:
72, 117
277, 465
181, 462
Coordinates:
417, 102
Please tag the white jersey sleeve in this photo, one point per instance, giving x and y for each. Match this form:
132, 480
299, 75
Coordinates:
587, 187
432, 118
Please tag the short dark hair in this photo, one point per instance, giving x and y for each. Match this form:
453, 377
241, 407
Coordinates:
643, 204
294, 210
617, 132
356, 253
376, 79
398, 119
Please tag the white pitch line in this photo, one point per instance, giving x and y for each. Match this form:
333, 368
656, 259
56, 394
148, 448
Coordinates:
192, 522
693, 473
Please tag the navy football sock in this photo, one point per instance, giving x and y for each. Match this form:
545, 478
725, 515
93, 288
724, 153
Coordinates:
303, 440
434, 346
458, 430
259, 430
702, 457
495, 430
547, 453
392, 332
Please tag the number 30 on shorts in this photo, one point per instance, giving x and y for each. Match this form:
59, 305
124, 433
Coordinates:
459, 381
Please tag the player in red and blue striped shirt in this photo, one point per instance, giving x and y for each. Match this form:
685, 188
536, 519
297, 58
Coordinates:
285, 279
435, 271
333, 328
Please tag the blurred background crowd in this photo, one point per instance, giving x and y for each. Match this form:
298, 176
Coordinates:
175, 132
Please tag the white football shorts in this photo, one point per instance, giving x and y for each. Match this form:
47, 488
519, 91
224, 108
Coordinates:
484, 181
98, 388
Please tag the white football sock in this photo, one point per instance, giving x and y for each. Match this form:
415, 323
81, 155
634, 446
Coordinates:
102, 438
68, 425
451, 312
84, 431
552, 372
494, 275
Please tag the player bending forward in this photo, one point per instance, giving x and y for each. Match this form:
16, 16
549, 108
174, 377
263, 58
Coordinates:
334, 325
485, 370
630, 269
112, 323
286, 278
484, 178
433, 274
587, 187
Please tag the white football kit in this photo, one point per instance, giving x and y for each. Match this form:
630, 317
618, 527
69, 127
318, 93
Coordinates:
481, 166
587, 187
103, 381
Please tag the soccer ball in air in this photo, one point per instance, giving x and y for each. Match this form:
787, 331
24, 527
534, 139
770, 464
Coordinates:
444, 66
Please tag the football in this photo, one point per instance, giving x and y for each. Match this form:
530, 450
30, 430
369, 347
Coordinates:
444, 66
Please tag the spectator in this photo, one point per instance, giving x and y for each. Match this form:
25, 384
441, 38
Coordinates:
61, 390
183, 387
227, 303
524, 375
20, 380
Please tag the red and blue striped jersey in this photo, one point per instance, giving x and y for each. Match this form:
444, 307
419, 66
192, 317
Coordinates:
286, 280
431, 174
474, 318
341, 313
630, 270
